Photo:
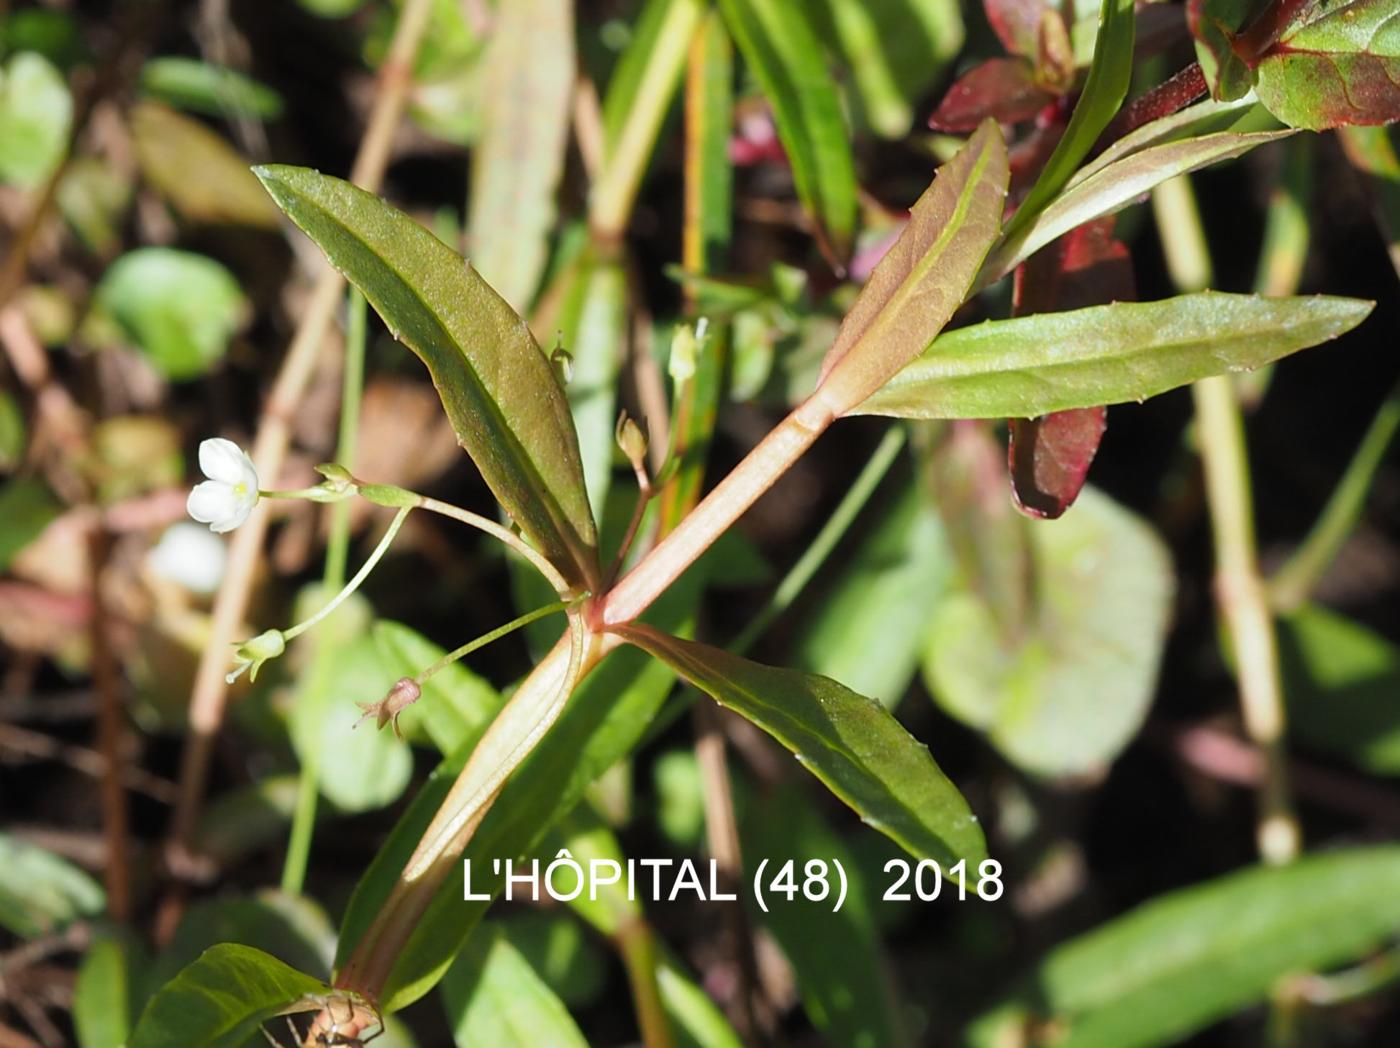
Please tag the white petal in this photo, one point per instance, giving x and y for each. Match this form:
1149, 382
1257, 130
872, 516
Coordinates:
224, 460
212, 503
242, 508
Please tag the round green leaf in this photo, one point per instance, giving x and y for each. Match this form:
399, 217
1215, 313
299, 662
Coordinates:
179, 309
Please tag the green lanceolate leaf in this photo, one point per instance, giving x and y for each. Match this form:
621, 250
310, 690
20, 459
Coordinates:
1340, 64
781, 48
850, 742
221, 999
493, 996
527, 101
497, 386
924, 276
1194, 956
1114, 187
203, 87
1104, 91
1062, 692
1033, 365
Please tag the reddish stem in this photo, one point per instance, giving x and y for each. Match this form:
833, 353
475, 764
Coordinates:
1173, 94
1263, 33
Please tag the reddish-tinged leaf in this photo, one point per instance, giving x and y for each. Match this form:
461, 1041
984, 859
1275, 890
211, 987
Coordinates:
1214, 24
924, 277
1049, 457
1016, 23
1338, 65
1085, 267
1001, 88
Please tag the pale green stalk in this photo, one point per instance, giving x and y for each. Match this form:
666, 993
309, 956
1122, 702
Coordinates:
1240, 590
337, 547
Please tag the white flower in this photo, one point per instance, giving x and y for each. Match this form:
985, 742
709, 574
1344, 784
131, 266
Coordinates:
229, 495
189, 555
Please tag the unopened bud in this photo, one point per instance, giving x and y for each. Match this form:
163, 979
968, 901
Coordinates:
386, 711
632, 439
684, 349
338, 479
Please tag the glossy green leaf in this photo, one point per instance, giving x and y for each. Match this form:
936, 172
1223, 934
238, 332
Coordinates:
107, 995
925, 275
1338, 64
1341, 681
456, 707
494, 997
897, 574
526, 104
221, 999
497, 386
203, 87
895, 50
1187, 959
1033, 365
836, 956
27, 507
781, 48
850, 742
179, 309
41, 892
1067, 690
1114, 187
1104, 91
36, 113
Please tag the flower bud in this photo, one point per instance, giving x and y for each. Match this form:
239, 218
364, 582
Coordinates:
632, 440
252, 653
402, 695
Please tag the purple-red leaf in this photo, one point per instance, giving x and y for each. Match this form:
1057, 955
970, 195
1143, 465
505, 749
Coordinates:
1049, 457
1017, 23
1001, 88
